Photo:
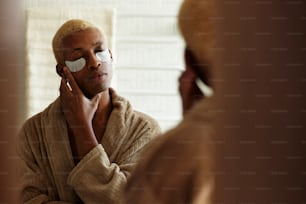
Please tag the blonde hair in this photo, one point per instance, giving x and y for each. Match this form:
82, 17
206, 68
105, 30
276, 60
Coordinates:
69, 27
196, 26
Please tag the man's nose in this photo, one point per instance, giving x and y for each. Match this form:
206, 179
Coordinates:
93, 62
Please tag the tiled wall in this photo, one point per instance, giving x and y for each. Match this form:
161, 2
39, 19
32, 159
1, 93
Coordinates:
148, 52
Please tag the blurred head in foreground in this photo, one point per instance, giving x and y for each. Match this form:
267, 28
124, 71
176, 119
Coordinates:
253, 55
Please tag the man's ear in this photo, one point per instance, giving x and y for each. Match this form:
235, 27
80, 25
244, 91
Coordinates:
59, 70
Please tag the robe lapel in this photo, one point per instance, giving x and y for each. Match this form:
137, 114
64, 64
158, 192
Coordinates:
116, 127
58, 150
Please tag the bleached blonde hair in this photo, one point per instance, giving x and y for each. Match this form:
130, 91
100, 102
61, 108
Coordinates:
69, 27
196, 25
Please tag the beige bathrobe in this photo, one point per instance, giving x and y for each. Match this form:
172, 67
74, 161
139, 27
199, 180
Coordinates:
177, 167
48, 169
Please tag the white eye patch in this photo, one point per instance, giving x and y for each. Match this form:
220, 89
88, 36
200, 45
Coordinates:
77, 65
104, 56
206, 90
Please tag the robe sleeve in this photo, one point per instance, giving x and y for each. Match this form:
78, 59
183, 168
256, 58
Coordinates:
97, 180
175, 170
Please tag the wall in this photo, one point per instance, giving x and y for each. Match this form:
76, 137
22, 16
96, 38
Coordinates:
148, 53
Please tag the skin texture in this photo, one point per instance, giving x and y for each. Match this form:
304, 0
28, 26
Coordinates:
86, 103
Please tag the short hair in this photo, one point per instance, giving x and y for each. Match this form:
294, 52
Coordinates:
196, 25
69, 27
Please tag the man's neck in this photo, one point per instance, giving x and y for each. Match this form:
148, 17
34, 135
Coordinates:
104, 109
102, 114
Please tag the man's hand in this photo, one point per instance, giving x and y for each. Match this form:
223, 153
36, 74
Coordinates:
79, 112
189, 91
78, 109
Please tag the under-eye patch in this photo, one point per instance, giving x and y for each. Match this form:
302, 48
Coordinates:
104, 56
76, 65
206, 90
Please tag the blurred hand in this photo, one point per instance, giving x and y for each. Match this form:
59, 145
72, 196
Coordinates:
189, 91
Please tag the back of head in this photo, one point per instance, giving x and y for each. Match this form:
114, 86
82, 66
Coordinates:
69, 27
259, 75
196, 26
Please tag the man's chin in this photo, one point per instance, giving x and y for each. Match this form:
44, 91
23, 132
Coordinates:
99, 90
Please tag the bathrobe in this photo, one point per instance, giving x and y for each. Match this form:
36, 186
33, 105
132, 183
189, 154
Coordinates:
48, 171
177, 166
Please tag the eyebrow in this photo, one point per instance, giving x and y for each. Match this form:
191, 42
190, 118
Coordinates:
98, 43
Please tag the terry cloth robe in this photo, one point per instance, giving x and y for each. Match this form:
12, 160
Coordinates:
176, 167
48, 169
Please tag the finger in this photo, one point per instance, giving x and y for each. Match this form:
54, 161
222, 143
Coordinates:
64, 88
74, 86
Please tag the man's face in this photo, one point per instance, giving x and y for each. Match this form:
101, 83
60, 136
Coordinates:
96, 75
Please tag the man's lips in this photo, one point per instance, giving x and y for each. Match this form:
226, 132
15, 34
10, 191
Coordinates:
97, 76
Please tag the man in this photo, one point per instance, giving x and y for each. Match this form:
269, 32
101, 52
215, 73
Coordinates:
82, 148
177, 165
246, 143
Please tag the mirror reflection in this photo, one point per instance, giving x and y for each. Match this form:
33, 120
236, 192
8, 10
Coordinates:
146, 46
89, 119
